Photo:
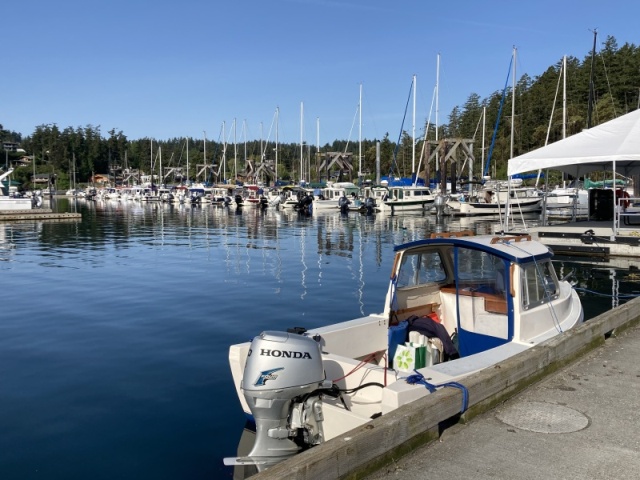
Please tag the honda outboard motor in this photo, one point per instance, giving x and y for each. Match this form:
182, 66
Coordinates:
280, 383
238, 199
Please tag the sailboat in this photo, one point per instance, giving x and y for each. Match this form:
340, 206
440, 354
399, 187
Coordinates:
498, 197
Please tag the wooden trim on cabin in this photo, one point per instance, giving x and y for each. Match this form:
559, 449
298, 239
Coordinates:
492, 303
462, 233
512, 287
517, 238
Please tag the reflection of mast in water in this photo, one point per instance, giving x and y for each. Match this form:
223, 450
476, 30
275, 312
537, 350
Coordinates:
303, 273
361, 272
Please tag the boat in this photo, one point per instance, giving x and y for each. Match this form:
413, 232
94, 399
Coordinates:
401, 198
456, 304
497, 198
12, 201
335, 196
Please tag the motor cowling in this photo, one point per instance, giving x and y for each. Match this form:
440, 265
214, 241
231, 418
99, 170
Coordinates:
281, 372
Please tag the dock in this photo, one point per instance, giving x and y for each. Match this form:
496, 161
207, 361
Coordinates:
37, 214
595, 239
564, 409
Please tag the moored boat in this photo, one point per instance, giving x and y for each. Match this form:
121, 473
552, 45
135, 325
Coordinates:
455, 304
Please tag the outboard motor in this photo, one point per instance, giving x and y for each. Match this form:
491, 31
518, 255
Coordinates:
369, 205
305, 204
227, 201
440, 204
264, 203
343, 203
282, 381
238, 199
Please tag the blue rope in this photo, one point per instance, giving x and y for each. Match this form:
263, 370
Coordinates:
418, 379
623, 295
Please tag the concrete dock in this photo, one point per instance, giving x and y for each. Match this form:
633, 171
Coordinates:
565, 409
581, 422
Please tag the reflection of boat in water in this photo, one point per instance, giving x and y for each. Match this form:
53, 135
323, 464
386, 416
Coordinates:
465, 302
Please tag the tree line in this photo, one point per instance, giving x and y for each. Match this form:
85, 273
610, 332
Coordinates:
79, 153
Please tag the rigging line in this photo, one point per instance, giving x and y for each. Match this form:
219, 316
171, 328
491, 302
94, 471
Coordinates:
395, 150
606, 75
495, 128
351, 131
424, 142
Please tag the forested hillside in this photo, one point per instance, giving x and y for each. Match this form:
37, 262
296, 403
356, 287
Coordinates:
616, 81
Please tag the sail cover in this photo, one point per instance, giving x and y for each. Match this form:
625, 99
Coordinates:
595, 149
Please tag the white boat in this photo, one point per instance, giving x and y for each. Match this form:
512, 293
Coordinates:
568, 202
336, 196
495, 198
12, 202
467, 302
403, 198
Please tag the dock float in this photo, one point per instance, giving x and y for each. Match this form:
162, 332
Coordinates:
38, 214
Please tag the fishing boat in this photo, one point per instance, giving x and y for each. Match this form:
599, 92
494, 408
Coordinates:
456, 304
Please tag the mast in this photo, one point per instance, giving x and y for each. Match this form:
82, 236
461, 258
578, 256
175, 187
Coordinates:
413, 132
564, 97
591, 85
244, 134
317, 148
301, 142
187, 162
513, 101
277, 115
437, 159
204, 161
235, 151
360, 136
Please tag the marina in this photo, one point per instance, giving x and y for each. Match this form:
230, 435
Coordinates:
123, 360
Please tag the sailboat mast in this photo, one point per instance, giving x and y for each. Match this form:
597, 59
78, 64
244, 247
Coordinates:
513, 101
277, 114
591, 85
301, 176
413, 129
437, 158
564, 97
235, 151
187, 162
360, 135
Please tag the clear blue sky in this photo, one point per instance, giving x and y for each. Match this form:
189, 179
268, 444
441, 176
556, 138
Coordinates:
163, 69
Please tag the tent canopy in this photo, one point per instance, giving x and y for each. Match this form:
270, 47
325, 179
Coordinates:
590, 150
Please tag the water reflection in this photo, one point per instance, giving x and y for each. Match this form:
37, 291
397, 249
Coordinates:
120, 323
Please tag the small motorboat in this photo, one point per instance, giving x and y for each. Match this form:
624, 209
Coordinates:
456, 304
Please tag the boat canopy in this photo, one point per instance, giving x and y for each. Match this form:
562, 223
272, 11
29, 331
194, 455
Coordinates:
519, 249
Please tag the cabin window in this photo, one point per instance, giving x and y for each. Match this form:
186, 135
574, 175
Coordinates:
481, 271
421, 268
539, 284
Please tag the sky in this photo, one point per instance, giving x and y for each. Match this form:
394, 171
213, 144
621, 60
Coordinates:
197, 68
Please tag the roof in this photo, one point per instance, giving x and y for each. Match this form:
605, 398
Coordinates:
514, 249
595, 149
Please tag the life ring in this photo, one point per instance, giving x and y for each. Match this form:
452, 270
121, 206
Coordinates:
622, 198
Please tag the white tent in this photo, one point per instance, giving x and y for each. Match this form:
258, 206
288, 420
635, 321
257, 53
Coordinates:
611, 146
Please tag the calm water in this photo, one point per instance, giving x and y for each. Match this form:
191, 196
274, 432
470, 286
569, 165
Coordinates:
115, 329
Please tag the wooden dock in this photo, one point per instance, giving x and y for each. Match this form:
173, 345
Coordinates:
37, 214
